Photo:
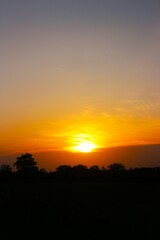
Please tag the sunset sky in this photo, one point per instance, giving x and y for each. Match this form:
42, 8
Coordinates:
79, 71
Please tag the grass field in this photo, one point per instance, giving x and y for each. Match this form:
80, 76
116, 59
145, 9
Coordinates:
80, 210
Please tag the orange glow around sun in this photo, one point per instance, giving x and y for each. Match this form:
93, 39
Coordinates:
83, 142
85, 147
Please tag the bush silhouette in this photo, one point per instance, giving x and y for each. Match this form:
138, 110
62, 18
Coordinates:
116, 167
5, 168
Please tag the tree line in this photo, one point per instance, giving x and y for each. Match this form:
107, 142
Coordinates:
27, 169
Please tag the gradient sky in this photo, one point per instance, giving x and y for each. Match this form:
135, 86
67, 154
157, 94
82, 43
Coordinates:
75, 70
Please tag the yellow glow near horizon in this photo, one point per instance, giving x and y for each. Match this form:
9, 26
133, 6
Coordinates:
85, 147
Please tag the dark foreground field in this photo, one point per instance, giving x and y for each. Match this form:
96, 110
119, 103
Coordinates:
79, 211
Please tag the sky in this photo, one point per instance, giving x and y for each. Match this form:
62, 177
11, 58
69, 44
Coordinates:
75, 71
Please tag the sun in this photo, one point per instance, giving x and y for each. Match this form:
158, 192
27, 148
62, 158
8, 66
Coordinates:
85, 147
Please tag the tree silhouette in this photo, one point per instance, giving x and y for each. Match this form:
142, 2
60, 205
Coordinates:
5, 168
80, 167
25, 162
63, 168
94, 168
116, 167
